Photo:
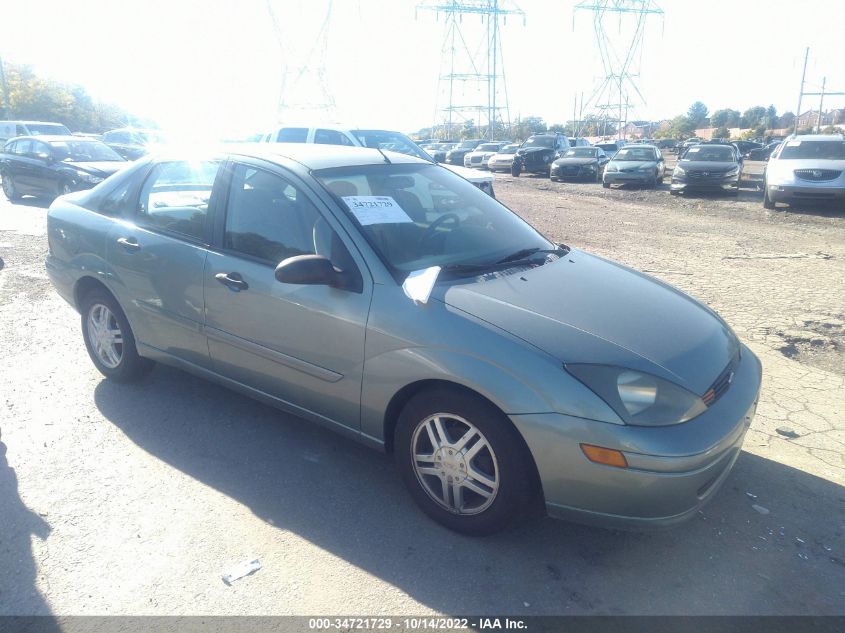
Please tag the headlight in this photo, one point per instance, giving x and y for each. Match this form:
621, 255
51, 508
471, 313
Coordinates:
679, 172
84, 176
611, 167
646, 168
733, 172
638, 398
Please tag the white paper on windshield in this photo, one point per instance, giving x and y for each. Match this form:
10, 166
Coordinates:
693, 150
376, 210
418, 284
793, 143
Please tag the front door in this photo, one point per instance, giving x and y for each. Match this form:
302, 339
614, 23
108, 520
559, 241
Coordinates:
303, 344
158, 258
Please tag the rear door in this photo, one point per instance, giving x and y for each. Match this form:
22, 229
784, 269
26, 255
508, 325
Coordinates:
158, 258
303, 344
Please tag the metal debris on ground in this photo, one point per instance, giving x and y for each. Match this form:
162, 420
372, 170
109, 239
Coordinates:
760, 509
750, 495
787, 432
241, 570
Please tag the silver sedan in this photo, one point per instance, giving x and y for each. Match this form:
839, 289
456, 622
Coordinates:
390, 300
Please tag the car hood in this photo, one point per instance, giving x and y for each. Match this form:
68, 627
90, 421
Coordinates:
473, 175
585, 309
630, 165
708, 165
576, 161
522, 151
102, 169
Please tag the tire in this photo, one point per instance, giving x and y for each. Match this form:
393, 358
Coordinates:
116, 360
516, 170
674, 192
9, 187
501, 462
64, 188
767, 202
606, 185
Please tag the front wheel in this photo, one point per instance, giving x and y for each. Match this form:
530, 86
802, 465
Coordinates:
109, 339
463, 462
516, 170
768, 203
606, 185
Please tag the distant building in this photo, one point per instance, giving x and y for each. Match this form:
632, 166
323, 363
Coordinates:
640, 129
810, 118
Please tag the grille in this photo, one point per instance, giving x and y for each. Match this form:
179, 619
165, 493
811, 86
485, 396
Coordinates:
706, 174
817, 175
475, 159
721, 385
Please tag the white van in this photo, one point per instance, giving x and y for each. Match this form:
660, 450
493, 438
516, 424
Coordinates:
11, 129
376, 139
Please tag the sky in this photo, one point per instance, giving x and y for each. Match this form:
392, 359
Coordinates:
215, 67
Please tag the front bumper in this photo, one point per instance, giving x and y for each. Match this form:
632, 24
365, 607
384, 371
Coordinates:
672, 470
614, 177
573, 172
721, 183
786, 193
496, 165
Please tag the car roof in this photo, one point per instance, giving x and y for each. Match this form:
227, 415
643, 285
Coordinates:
816, 137
51, 137
639, 146
35, 122
315, 156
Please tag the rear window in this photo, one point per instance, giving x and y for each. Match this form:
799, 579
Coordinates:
116, 195
54, 129
292, 135
823, 150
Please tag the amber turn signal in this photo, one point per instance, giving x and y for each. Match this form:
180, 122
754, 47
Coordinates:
606, 456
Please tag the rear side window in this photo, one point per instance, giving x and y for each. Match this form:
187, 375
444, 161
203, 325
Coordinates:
292, 135
21, 130
331, 137
23, 147
175, 197
9, 148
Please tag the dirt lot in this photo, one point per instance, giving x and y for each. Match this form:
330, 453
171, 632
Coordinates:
136, 499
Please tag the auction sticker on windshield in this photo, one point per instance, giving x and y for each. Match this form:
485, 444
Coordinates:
376, 210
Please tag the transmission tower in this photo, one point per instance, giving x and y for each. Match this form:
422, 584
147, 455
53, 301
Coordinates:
619, 26
473, 82
303, 87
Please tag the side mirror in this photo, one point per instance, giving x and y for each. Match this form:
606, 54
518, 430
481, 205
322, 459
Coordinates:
307, 269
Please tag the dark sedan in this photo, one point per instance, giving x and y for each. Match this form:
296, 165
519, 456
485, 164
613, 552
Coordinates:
132, 143
716, 168
584, 163
455, 156
763, 153
49, 166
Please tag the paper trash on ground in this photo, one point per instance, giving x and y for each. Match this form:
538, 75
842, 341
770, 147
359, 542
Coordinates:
418, 284
240, 570
376, 210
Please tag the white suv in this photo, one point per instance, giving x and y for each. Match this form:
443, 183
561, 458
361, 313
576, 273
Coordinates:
376, 139
806, 167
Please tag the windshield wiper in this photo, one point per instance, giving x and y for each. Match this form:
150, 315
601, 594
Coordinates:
525, 252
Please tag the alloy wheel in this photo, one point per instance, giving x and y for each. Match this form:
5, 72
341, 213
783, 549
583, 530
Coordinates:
105, 335
455, 464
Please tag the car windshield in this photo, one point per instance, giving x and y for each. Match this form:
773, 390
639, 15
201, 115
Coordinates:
608, 147
581, 152
488, 147
48, 129
540, 141
635, 153
825, 150
417, 216
509, 149
710, 153
393, 141
468, 145
83, 151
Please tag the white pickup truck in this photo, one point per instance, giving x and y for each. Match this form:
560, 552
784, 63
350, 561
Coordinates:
376, 139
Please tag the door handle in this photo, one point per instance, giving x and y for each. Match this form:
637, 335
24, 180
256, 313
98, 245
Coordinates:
233, 281
129, 244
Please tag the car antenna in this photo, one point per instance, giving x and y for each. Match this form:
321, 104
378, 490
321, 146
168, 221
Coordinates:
386, 159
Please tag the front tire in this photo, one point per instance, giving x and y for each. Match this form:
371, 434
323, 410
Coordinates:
768, 203
606, 185
463, 462
109, 339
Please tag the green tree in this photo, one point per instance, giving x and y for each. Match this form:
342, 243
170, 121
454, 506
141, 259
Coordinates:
754, 117
697, 114
725, 118
721, 132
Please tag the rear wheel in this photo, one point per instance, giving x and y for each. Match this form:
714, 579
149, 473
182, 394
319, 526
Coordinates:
109, 339
768, 203
65, 188
463, 462
9, 187
606, 185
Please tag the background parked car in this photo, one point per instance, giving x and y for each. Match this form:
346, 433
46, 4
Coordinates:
580, 163
479, 157
455, 156
611, 147
11, 129
763, 153
49, 166
438, 151
710, 167
132, 143
807, 167
640, 164
536, 154
578, 141
745, 147
503, 159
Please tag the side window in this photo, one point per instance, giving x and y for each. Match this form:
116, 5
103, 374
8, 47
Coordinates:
331, 137
10, 147
175, 197
292, 135
270, 219
23, 148
39, 148
21, 130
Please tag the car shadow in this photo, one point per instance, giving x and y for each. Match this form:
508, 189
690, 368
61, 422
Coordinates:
348, 500
19, 594
32, 201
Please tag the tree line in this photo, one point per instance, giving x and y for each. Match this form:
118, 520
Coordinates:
34, 98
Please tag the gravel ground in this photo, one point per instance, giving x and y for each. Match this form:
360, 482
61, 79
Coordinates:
137, 499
